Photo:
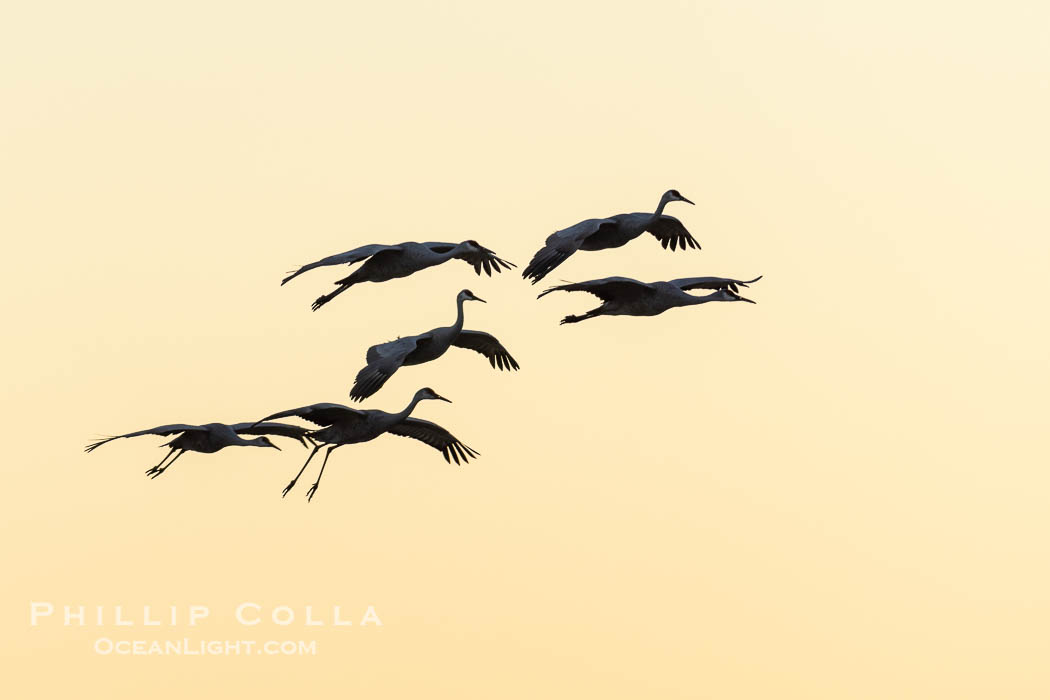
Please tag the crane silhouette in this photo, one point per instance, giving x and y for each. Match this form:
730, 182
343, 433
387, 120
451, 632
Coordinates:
386, 358
622, 296
342, 425
387, 262
209, 438
611, 232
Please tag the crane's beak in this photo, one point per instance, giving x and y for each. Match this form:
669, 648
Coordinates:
740, 298
275, 447
480, 299
442, 398
687, 201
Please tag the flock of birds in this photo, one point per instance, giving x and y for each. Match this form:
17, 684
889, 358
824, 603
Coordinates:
338, 425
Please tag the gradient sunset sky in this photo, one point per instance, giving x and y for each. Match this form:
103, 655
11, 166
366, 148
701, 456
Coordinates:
840, 492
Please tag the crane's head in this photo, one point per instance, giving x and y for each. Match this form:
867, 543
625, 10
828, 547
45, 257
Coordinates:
467, 295
675, 196
428, 393
725, 294
265, 442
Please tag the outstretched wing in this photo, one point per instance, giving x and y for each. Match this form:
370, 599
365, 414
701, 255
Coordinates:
295, 432
324, 414
560, 245
670, 232
606, 289
383, 361
435, 436
159, 430
732, 285
347, 258
481, 259
488, 346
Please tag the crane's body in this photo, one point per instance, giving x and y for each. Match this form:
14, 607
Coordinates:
623, 296
386, 358
342, 425
387, 262
209, 438
610, 232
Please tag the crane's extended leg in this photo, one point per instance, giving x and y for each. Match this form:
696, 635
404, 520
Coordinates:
325, 298
154, 470
292, 482
158, 470
313, 489
576, 319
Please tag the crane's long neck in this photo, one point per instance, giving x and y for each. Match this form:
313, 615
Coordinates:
409, 408
458, 326
693, 300
255, 442
659, 210
457, 250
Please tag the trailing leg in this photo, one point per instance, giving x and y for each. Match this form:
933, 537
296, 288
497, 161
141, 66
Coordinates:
576, 319
313, 489
158, 470
292, 482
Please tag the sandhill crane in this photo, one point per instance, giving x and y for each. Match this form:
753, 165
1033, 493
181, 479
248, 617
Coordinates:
612, 232
209, 438
387, 262
622, 296
385, 359
342, 425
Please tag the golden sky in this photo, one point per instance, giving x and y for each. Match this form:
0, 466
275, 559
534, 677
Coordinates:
838, 493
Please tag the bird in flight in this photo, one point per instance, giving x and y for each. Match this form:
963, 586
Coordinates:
342, 425
387, 262
622, 296
209, 438
386, 358
611, 232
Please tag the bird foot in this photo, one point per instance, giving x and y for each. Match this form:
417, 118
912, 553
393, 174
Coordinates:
155, 472
311, 492
288, 488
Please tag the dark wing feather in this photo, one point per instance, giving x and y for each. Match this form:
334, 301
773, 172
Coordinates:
488, 346
347, 258
324, 414
560, 245
159, 430
383, 361
732, 285
483, 259
671, 232
606, 289
435, 436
